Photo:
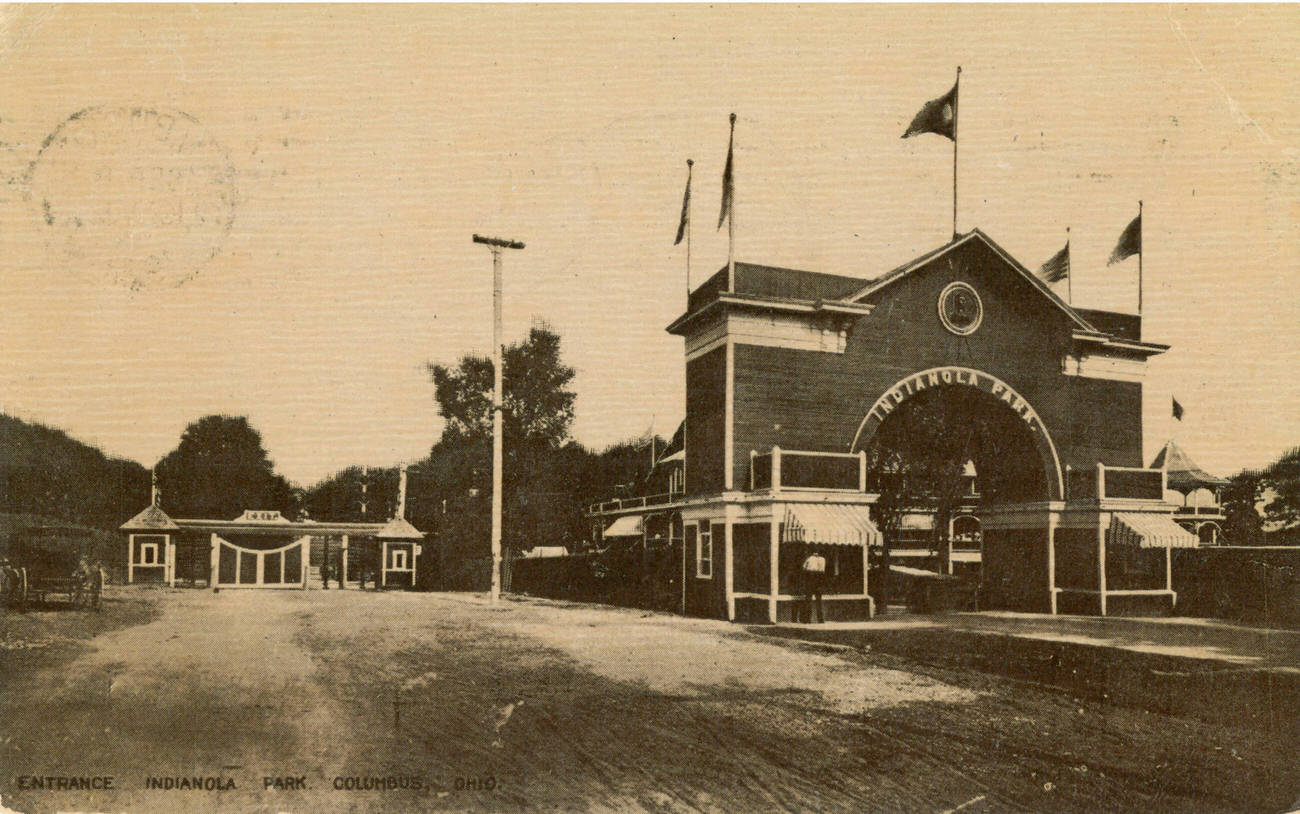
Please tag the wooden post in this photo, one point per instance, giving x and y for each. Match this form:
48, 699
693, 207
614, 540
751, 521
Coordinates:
866, 582
215, 555
171, 560
1169, 575
496, 245
343, 562
1101, 568
774, 563
729, 565
776, 470
130, 559
1052, 522
383, 570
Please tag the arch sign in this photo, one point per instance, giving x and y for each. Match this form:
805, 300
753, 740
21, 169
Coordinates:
965, 376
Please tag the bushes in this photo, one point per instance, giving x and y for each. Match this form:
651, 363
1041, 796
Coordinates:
1254, 585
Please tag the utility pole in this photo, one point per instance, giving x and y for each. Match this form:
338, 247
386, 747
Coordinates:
496, 245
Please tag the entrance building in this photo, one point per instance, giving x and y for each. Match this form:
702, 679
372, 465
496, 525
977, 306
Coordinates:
263, 549
792, 376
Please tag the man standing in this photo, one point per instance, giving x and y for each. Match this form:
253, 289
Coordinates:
814, 574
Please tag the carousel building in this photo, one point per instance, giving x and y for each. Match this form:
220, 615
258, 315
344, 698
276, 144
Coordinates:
791, 376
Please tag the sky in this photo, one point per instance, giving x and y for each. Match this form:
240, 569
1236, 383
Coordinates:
267, 210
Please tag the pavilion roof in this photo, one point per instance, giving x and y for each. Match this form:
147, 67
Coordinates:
152, 518
399, 529
1182, 473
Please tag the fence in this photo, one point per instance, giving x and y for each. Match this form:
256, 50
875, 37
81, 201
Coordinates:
629, 576
1256, 585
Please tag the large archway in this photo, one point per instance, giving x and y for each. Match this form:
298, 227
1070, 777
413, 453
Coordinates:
938, 400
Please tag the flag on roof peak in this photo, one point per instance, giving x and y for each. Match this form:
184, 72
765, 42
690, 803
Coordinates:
937, 116
686, 206
728, 179
1057, 267
1130, 241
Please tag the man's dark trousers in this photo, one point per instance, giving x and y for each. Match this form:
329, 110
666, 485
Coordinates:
812, 589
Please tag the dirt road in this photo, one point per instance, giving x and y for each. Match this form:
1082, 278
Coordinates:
443, 702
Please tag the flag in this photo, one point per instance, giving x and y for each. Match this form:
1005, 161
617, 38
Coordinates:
1178, 410
686, 205
1130, 242
727, 181
936, 116
1058, 267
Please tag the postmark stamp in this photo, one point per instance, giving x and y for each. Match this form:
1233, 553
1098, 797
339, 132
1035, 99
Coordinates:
146, 195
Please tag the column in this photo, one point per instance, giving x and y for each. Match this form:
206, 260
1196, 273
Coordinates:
1169, 575
343, 563
130, 559
383, 566
730, 565
215, 556
171, 560
1101, 567
774, 560
305, 544
1052, 521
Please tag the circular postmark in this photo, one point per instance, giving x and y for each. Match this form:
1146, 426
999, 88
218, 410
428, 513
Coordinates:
960, 309
145, 194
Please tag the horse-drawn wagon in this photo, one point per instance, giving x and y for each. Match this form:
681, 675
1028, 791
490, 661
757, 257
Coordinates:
45, 562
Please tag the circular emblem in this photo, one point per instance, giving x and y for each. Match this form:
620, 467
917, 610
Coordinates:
960, 309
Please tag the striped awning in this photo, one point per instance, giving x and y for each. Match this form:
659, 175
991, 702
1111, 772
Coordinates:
628, 526
829, 524
1148, 531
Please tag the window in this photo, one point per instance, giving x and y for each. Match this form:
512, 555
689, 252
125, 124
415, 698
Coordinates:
704, 552
677, 481
399, 559
148, 554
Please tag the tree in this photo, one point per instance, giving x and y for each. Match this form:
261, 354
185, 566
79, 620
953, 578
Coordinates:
1281, 484
539, 499
536, 394
219, 469
1240, 501
916, 463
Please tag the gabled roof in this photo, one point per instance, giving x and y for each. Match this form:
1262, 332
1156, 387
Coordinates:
398, 529
151, 519
907, 268
1181, 472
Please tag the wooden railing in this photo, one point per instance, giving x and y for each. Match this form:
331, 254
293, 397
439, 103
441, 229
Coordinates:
1126, 482
782, 469
626, 503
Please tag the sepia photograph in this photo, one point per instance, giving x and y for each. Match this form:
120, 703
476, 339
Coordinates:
649, 408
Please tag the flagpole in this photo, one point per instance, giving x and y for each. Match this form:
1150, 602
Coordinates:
1139, 258
689, 164
956, 103
731, 214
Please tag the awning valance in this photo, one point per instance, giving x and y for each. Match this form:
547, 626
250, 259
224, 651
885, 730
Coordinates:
628, 526
829, 524
1148, 531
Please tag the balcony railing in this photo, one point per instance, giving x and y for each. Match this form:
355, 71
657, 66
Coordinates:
801, 469
1199, 511
1126, 482
625, 503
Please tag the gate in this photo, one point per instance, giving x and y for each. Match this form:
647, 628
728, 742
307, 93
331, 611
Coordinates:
242, 567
